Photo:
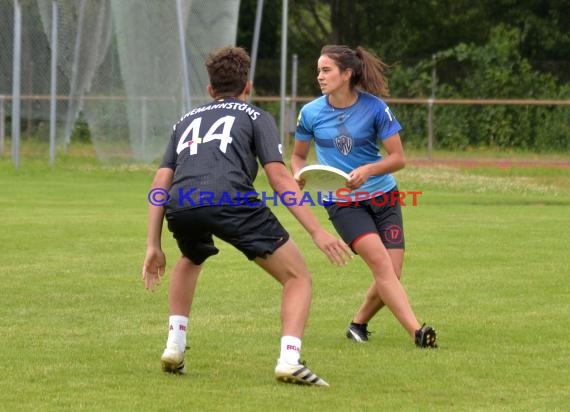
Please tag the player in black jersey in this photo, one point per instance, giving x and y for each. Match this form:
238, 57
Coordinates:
208, 170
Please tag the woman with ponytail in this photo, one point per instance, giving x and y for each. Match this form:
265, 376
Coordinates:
346, 124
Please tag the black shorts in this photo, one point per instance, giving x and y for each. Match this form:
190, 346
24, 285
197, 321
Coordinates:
254, 230
377, 215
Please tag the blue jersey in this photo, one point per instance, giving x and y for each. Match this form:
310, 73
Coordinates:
348, 137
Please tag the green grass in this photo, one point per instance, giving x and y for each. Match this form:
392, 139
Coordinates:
485, 152
486, 264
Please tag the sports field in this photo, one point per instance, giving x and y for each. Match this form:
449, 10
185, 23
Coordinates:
487, 264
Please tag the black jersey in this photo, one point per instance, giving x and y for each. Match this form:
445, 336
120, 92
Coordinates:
213, 151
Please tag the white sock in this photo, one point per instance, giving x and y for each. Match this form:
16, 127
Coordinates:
177, 331
290, 350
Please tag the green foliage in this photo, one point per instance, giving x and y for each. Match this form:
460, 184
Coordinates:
493, 70
555, 129
420, 30
449, 127
487, 49
80, 131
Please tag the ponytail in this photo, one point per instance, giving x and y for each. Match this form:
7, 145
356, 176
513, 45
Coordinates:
372, 77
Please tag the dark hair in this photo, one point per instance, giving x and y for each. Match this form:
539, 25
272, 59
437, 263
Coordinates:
228, 70
367, 69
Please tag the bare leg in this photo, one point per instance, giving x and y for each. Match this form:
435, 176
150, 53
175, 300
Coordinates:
288, 267
388, 286
183, 281
181, 290
372, 301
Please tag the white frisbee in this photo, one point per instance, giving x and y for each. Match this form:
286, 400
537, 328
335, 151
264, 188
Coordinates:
322, 178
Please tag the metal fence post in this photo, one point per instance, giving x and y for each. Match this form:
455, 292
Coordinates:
16, 74
430, 106
283, 83
293, 108
2, 119
430, 127
143, 123
53, 87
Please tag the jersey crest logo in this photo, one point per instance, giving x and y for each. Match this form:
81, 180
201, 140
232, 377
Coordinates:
343, 144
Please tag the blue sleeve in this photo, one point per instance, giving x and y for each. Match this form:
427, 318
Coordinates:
303, 131
386, 123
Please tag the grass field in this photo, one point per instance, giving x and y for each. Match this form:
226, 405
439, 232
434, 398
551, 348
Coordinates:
486, 264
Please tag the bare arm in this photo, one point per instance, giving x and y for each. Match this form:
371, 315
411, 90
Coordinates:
281, 181
299, 159
155, 260
392, 162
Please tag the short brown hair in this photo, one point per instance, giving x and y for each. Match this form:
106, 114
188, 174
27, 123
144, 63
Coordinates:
228, 69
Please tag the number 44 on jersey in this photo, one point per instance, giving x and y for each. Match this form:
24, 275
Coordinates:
220, 130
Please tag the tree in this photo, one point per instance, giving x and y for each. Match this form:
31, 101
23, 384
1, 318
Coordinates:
407, 32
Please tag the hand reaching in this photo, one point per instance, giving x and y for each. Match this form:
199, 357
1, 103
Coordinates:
153, 268
336, 250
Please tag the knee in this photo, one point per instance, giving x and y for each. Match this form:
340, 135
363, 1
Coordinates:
383, 271
380, 264
301, 278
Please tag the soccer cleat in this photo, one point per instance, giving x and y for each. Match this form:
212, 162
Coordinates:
425, 337
173, 360
358, 332
299, 373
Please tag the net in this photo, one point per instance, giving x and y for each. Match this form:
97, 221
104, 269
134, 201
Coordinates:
122, 65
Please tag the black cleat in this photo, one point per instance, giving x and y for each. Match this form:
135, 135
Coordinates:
425, 337
358, 332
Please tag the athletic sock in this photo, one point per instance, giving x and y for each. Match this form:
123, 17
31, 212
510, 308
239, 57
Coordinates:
177, 331
290, 350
